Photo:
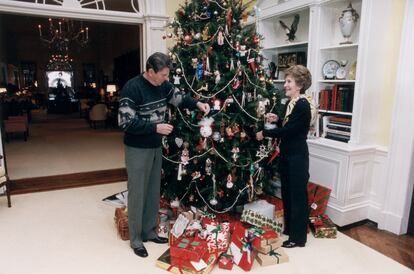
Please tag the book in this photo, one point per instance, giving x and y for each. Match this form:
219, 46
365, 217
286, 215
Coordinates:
339, 132
337, 137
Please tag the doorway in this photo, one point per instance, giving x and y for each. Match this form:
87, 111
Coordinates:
55, 152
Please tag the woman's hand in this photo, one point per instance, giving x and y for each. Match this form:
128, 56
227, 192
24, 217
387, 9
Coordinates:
204, 107
271, 118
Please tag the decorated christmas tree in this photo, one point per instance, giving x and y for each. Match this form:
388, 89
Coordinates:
216, 161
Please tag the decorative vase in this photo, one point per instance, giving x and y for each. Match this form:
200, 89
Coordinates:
347, 22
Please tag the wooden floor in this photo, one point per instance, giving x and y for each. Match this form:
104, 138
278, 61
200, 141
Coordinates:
399, 248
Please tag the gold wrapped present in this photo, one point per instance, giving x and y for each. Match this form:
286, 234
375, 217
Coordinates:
276, 256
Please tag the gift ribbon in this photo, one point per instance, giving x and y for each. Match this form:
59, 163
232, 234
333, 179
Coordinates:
178, 267
275, 254
246, 247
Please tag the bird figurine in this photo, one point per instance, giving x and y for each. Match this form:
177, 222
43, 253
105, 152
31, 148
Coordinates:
290, 32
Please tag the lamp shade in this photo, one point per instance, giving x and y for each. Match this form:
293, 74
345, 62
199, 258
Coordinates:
111, 88
3, 90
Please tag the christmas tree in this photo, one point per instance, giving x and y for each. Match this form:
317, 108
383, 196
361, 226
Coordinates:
216, 161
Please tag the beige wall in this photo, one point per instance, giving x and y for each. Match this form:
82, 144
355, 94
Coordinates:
391, 58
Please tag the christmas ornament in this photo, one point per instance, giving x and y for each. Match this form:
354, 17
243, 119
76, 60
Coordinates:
205, 126
205, 34
178, 142
177, 79
208, 166
178, 70
194, 62
213, 202
229, 183
216, 136
180, 32
185, 156
197, 36
220, 38
217, 104
218, 78
200, 69
188, 39
236, 83
252, 65
235, 152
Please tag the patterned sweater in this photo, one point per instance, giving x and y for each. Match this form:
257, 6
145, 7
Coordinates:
142, 106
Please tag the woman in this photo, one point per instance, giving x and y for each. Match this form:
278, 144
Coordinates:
294, 155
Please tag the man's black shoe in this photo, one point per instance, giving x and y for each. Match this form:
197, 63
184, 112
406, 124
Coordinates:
290, 244
158, 240
141, 251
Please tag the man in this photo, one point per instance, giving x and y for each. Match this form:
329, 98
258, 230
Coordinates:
142, 109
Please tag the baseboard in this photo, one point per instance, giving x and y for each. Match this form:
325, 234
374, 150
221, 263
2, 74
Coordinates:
57, 182
359, 223
343, 216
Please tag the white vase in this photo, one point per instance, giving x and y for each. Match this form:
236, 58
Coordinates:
347, 23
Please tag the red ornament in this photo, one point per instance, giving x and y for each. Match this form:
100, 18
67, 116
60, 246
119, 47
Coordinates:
188, 39
256, 39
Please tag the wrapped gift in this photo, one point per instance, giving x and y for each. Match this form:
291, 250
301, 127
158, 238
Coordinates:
318, 197
193, 266
256, 219
189, 249
181, 224
121, 223
262, 207
268, 247
268, 236
323, 227
218, 237
277, 202
226, 261
208, 218
243, 246
276, 256
164, 262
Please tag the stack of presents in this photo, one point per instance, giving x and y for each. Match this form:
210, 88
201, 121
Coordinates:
198, 241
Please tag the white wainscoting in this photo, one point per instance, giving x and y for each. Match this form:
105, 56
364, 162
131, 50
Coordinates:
354, 173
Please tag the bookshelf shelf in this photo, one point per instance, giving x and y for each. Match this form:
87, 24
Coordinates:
287, 45
336, 47
335, 112
336, 81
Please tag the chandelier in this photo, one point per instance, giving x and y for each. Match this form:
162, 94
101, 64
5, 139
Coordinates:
62, 34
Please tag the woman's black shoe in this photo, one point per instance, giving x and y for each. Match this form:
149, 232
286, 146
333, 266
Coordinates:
290, 244
141, 251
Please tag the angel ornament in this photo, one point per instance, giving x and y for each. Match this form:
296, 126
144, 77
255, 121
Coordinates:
177, 79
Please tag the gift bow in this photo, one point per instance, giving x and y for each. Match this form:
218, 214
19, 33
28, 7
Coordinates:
275, 254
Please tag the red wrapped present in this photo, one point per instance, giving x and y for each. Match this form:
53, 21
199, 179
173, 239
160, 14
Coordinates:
218, 238
323, 227
243, 246
189, 249
208, 218
318, 197
226, 261
188, 264
165, 262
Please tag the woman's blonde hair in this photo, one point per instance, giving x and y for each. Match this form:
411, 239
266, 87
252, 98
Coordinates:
301, 75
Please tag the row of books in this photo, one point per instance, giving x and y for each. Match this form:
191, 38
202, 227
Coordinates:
336, 128
337, 98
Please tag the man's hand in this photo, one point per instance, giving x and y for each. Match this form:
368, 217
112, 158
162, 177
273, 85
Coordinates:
204, 107
164, 129
271, 117
259, 135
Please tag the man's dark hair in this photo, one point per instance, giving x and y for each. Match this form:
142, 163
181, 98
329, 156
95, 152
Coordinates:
157, 61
